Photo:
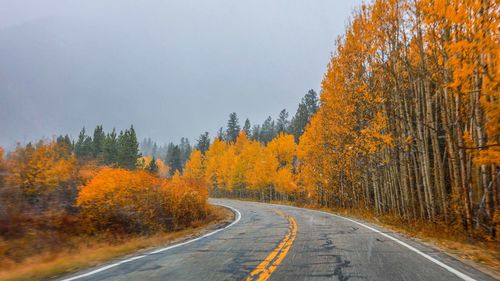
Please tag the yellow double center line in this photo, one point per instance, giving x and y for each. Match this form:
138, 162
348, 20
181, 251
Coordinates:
264, 270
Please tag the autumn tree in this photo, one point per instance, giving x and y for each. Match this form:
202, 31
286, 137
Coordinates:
44, 174
195, 167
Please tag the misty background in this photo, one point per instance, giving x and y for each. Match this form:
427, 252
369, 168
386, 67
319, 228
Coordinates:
171, 68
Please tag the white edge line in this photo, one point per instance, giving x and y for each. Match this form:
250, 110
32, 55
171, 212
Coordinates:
238, 217
443, 265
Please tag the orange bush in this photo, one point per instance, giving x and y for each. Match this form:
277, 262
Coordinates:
120, 198
187, 198
136, 201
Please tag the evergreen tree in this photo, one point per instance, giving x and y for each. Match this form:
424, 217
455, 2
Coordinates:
282, 123
220, 134
307, 108
174, 162
83, 147
152, 167
170, 151
203, 142
268, 131
65, 140
233, 128
185, 148
110, 150
255, 135
128, 149
247, 127
98, 142
311, 101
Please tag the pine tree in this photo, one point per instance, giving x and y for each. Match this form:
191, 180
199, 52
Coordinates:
128, 149
307, 108
152, 167
220, 134
65, 140
110, 149
247, 127
175, 162
83, 147
185, 148
169, 153
203, 143
233, 128
282, 123
268, 130
255, 135
98, 142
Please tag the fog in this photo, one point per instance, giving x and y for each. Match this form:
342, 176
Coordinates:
171, 68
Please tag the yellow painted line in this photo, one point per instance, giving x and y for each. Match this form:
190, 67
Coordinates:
264, 270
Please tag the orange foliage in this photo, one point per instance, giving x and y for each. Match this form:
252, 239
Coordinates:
194, 167
136, 201
248, 164
38, 171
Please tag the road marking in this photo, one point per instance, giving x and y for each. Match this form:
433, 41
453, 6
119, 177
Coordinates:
264, 270
238, 217
443, 265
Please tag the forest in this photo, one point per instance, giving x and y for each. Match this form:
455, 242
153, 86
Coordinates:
408, 123
59, 195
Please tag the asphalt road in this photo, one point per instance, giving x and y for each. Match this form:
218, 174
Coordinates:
271, 242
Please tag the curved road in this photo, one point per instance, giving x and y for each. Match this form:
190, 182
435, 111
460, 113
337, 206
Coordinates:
271, 242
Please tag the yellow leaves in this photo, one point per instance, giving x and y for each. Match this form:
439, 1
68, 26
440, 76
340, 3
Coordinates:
261, 173
39, 170
213, 164
116, 187
249, 164
140, 201
283, 148
284, 181
194, 167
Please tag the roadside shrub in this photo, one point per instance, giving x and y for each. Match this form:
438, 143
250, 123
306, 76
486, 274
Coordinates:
187, 200
138, 202
118, 197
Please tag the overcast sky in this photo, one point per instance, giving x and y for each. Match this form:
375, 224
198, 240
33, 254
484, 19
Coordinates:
171, 68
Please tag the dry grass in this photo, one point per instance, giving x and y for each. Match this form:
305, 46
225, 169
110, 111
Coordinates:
90, 253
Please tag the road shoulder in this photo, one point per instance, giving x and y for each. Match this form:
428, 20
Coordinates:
442, 248
98, 255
